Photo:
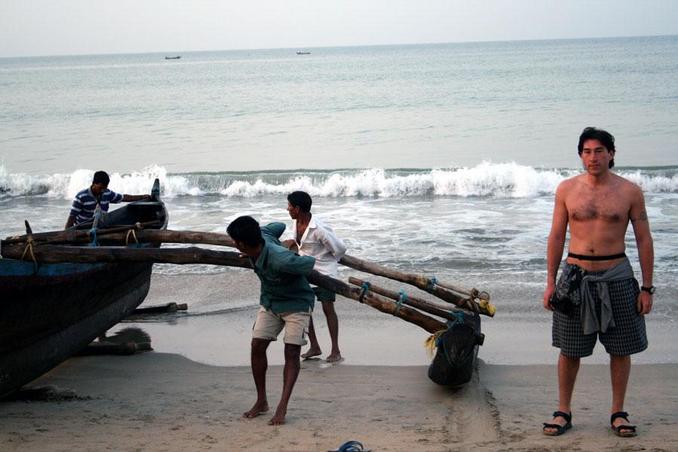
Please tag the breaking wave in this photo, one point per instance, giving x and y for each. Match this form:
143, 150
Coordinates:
485, 180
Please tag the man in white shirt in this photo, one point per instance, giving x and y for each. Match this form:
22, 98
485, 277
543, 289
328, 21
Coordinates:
314, 238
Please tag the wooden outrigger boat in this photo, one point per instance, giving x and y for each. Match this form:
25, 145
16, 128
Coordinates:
50, 311
78, 292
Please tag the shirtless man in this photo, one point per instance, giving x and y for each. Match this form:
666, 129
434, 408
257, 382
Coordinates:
598, 205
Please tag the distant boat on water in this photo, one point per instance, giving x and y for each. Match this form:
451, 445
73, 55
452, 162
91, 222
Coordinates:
173, 57
303, 52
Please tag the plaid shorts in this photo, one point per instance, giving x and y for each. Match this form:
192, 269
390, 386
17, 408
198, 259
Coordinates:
625, 338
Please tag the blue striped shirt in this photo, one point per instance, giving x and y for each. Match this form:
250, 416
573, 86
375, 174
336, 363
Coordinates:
85, 202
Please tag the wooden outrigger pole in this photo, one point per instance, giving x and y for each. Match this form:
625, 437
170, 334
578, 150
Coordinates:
407, 299
472, 300
195, 255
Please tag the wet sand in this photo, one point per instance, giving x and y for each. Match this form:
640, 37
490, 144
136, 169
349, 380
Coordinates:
157, 401
380, 394
216, 329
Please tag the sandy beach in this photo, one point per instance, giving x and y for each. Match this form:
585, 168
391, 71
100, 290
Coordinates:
157, 401
379, 395
190, 393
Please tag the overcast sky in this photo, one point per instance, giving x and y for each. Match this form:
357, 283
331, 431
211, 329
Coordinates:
68, 27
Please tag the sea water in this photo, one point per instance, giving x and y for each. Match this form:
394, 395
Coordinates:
439, 159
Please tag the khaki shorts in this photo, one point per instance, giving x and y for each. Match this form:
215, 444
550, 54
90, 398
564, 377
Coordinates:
269, 325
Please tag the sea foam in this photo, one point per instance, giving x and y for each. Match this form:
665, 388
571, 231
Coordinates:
502, 180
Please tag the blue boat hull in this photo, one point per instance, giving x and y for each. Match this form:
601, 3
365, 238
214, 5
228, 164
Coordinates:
48, 312
59, 316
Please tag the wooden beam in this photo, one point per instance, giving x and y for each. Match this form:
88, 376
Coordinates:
75, 236
418, 303
195, 255
469, 299
370, 298
422, 282
181, 256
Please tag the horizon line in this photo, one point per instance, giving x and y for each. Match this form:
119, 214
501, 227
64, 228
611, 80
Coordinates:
258, 49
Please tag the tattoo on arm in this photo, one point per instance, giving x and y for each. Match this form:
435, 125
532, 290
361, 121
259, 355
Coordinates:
642, 216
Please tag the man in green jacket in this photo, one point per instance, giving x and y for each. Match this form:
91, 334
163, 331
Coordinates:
286, 302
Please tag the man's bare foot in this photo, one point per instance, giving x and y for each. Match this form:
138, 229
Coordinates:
256, 410
278, 418
312, 352
334, 358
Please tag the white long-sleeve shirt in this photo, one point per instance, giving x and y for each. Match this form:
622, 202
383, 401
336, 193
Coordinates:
320, 241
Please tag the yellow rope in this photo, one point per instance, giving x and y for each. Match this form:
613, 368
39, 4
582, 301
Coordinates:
29, 248
430, 343
134, 236
488, 307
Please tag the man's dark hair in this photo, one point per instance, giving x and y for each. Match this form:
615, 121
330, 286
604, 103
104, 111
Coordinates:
101, 177
593, 133
300, 199
246, 230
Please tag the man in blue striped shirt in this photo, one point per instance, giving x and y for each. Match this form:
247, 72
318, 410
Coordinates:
86, 201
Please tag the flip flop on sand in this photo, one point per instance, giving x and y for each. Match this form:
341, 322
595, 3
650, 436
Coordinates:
351, 446
558, 429
623, 430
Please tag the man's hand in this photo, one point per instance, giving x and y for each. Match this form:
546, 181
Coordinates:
550, 288
644, 303
69, 222
130, 198
290, 244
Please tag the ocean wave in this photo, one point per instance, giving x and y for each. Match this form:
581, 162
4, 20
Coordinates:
503, 180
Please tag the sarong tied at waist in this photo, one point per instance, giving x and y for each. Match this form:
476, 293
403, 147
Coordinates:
589, 317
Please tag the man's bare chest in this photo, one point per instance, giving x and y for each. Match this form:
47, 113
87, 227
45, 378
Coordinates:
301, 229
607, 207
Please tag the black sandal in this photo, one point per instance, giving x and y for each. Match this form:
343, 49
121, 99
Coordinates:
623, 430
559, 429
